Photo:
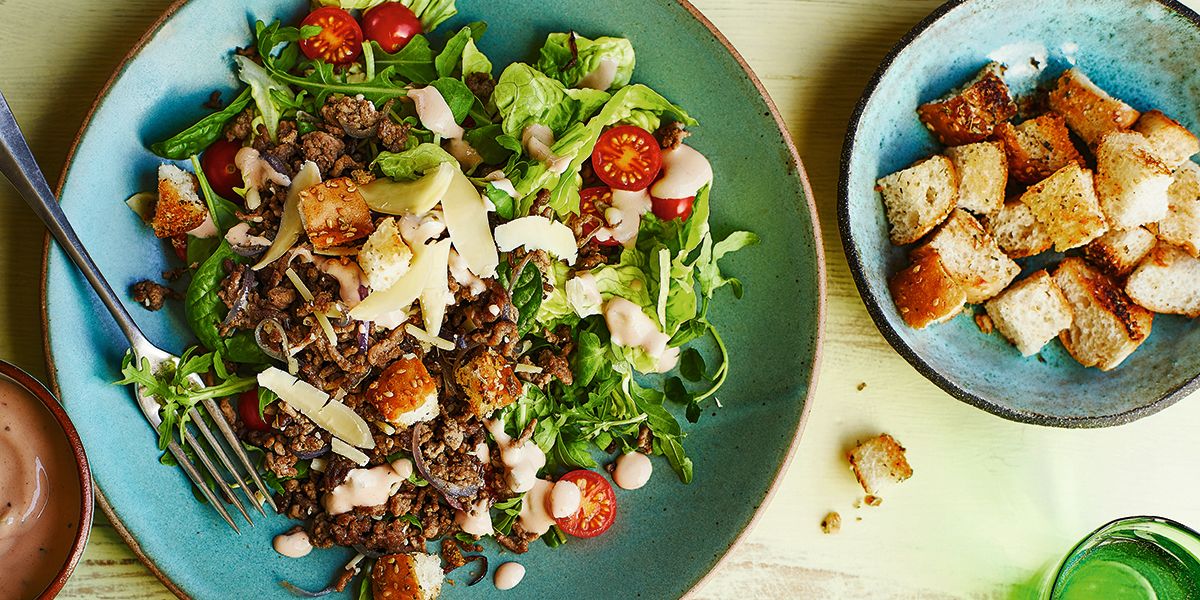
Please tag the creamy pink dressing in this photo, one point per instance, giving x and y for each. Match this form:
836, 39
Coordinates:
685, 171
521, 462
367, 487
463, 276
466, 155
434, 113
256, 173
502, 183
538, 141
508, 575
601, 78
239, 236
417, 231
351, 279
40, 496
633, 470
625, 216
535, 514
293, 545
631, 327
205, 230
476, 520
565, 499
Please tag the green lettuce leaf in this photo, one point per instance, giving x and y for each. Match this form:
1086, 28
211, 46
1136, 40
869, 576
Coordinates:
264, 88
410, 165
557, 60
474, 61
524, 96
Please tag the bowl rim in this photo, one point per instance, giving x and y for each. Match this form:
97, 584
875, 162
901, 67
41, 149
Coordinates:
873, 302
808, 202
83, 529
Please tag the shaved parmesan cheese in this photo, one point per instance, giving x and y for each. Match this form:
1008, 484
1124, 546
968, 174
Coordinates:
307, 294
400, 295
409, 197
664, 284
437, 287
538, 233
432, 340
350, 452
142, 204
467, 219
435, 113
289, 224
524, 368
329, 414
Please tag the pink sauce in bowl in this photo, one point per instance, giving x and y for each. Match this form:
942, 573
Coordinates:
45, 490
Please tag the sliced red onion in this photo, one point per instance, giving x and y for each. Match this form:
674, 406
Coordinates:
452, 492
479, 575
303, 593
261, 340
371, 554
364, 338
243, 298
322, 451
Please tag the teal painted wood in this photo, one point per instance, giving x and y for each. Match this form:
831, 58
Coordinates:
667, 536
1142, 51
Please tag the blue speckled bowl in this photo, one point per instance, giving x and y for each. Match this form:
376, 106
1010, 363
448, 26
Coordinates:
668, 535
1143, 51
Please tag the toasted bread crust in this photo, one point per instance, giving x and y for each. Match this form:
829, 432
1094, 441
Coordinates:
174, 214
394, 578
1114, 261
402, 387
1089, 111
924, 292
1136, 320
1037, 148
897, 463
488, 381
334, 212
971, 115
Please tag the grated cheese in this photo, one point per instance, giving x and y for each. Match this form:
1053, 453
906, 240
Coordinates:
350, 452
432, 340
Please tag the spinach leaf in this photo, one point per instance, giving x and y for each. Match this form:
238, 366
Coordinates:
486, 140
588, 357
410, 165
505, 205
527, 297
196, 138
448, 61
691, 365
457, 95
205, 311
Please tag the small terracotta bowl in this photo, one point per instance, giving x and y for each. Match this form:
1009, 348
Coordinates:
71, 438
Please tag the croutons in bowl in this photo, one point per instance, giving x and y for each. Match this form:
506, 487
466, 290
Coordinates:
1016, 204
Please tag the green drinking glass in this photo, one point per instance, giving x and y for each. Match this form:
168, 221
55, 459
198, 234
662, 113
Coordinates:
1136, 558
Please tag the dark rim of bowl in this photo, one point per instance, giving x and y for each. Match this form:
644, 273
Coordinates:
84, 527
874, 303
818, 253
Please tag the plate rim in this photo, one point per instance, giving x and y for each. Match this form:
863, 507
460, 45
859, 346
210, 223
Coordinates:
873, 302
809, 202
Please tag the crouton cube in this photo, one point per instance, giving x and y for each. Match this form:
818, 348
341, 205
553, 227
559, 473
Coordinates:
1017, 231
488, 381
925, 293
970, 114
972, 258
1067, 207
879, 462
1119, 251
1031, 312
1172, 142
334, 213
1181, 226
1107, 325
1038, 148
918, 198
1131, 181
1168, 281
385, 258
180, 208
1089, 111
414, 576
982, 176
405, 393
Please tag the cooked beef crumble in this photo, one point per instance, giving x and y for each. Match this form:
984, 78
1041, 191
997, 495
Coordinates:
153, 296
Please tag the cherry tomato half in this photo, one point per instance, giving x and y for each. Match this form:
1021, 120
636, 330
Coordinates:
391, 24
248, 411
627, 158
597, 506
340, 40
220, 169
592, 202
673, 208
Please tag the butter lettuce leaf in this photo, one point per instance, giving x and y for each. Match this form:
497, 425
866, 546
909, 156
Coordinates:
571, 61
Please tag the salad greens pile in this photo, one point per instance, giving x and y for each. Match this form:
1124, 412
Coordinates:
672, 271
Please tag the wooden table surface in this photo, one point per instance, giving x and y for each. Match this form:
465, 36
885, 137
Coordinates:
991, 502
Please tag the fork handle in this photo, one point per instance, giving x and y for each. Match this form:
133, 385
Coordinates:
18, 165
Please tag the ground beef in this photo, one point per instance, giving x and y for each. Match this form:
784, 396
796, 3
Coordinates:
299, 499
452, 556
322, 148
482, 85
336, 469
240, 127
153, 296
671, 135
394, 136
518, 541
283, 150
352, 116
555, 365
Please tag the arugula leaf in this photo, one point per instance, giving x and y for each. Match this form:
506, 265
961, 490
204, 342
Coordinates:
196, 138
678, 459
265, 398
588, 357
505, 206
364, 586
413, 62
410, 165
411, 519
555, 537
509, 510
570, 61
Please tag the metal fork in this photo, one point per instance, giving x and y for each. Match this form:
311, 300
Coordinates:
18, 165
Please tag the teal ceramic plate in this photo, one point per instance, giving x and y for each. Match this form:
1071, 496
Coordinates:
1144, 51
668, 535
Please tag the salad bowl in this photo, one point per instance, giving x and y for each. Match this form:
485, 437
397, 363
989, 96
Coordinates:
655, 548
1139, 50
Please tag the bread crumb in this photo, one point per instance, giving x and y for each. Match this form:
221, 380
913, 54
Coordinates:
873, 500
984, 322
879, 461
862, 386
832, 523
